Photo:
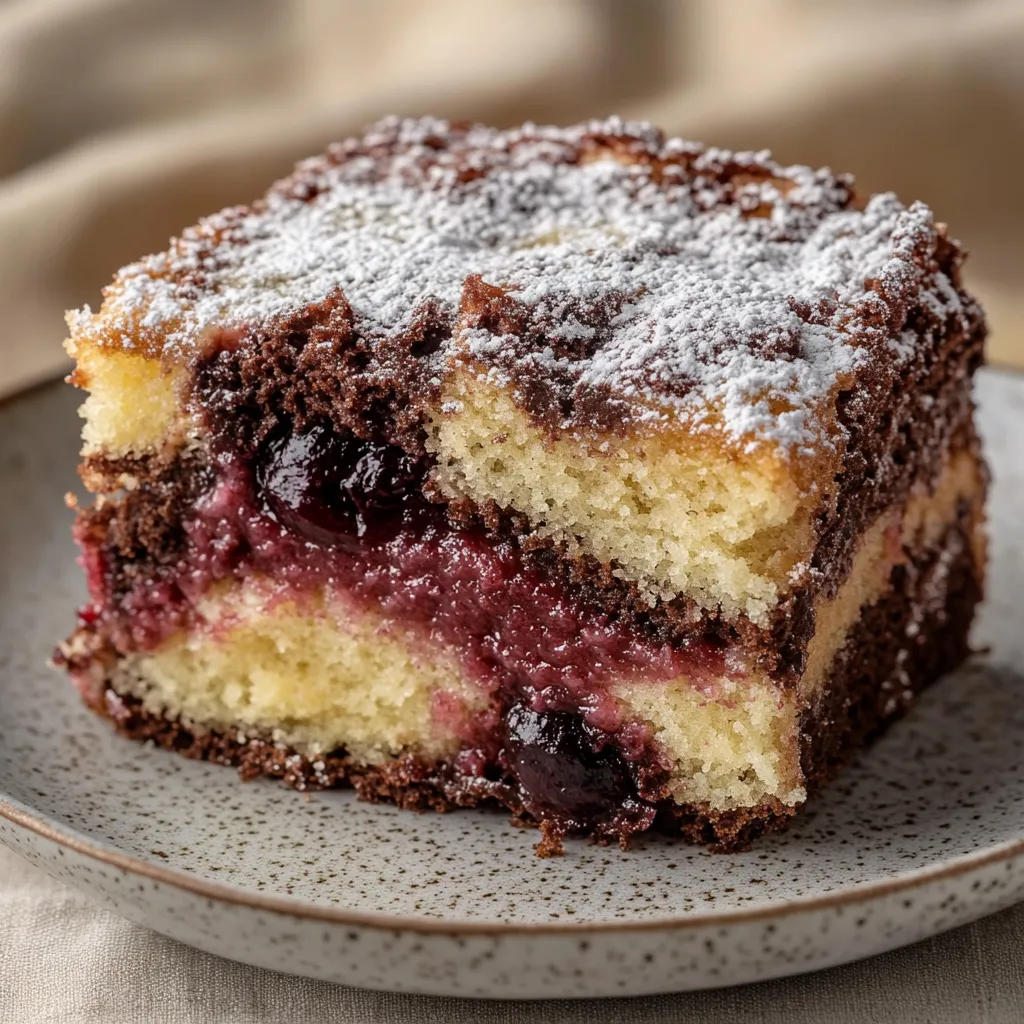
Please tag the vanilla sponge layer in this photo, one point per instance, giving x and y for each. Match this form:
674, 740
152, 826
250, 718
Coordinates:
315, 676
322, 676
133, 403
675, 513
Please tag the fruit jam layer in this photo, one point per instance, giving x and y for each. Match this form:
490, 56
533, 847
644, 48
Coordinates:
319, 510
322, 512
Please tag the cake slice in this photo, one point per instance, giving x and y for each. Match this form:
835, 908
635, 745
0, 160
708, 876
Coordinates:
605, 477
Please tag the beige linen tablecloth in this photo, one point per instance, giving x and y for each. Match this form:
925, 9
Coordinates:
123, 120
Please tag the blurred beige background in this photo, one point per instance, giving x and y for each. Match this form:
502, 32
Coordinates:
123, 120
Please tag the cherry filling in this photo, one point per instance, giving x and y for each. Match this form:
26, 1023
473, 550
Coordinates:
563, 766
321, 510
329, 488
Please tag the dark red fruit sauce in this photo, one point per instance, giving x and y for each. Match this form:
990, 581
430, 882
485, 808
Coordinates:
322, 508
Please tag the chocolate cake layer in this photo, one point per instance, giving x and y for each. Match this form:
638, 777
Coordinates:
903, 643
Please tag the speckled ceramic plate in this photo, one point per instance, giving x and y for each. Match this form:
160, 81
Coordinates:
924, 833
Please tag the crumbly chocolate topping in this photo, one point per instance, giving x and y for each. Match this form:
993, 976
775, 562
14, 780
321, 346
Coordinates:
875, 679
606, 273
314, 366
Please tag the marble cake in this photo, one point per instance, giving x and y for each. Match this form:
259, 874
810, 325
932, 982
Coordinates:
609, 478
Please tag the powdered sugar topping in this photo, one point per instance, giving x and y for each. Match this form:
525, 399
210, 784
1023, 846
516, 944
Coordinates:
735, 292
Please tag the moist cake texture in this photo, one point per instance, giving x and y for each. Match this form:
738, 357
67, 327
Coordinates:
609, 478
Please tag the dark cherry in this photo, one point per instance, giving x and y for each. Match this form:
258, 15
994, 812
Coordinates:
560, 769
330, 487
301, 477
384, 477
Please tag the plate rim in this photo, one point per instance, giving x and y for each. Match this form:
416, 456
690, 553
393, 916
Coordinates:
26, 818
